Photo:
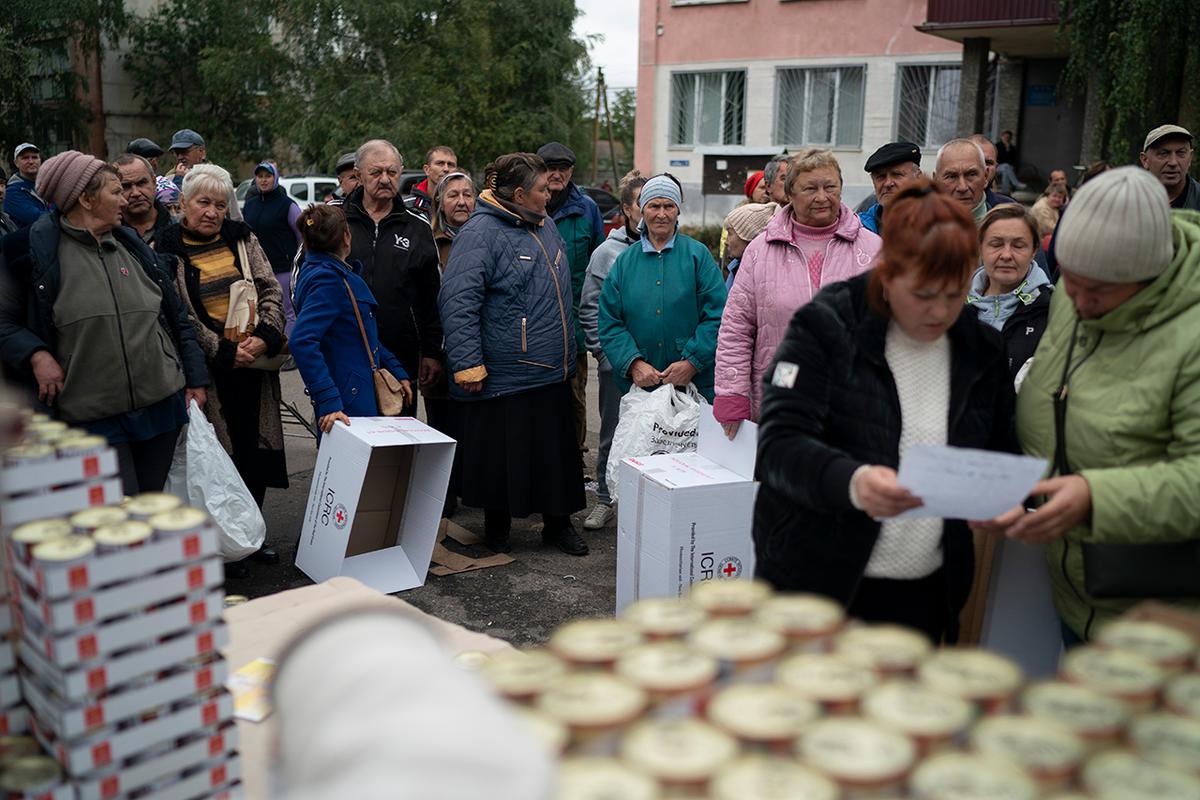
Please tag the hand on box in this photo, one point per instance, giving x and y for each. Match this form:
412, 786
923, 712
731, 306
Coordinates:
878, 494
325, 423
644, 375
49, 376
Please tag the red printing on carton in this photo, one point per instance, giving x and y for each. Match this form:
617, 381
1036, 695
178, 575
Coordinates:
87, 647
191, 546
110, 786
91, 466
204, 643
77, 578
85, 611
204, 679
198, 611
216, 744
96, 495
217, 775
97, 680
101, 754
209, 714
94, 717
4, 725
195, 577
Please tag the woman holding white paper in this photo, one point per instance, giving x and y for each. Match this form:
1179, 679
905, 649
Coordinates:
870, 367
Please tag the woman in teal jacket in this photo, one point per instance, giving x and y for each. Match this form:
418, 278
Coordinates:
662, 301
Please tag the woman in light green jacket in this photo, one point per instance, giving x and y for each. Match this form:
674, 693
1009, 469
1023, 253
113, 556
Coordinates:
1112, 401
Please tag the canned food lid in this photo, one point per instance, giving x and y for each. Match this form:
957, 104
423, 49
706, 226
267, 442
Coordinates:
92, 518
592, 700
826, 676
29, 451
1159, 643
766, 778
974, 674
151, 503
963, 776
125, 533
737, 640
595, 778
1118, 775
38, 417
916, 709
41, 530
470, 660
184, 518
1168, 740
47, 426
1183, 695
667, 666
1079, 708
664, 616
737, 596
762, 712
1116, 672
888, 647
81, 441
851, 749
800, 614
678, 750
521, 673
1032, 742
594, 640
232, 600
30, 773
551, 733
68, 548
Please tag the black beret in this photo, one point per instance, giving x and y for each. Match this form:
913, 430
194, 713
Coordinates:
144, 148
893, 153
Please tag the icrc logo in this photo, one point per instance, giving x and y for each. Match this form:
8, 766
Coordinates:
340, 516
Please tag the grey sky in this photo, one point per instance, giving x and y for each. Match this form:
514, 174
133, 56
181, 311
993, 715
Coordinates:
616, 21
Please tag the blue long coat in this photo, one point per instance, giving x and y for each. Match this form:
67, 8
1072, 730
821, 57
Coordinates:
326, 343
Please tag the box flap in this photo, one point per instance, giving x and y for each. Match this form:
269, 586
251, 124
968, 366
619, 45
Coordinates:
737, 455
685, 471
391, 431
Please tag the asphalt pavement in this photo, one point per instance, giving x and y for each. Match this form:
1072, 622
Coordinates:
521, 602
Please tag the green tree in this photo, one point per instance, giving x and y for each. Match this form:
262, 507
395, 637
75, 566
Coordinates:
623, 110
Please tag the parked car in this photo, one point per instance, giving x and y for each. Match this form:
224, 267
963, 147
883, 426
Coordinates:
306, 190
610, 207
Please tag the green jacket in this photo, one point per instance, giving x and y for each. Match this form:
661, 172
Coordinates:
663, 307
1132, 421
582, 230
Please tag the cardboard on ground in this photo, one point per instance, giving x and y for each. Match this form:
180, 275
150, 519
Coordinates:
375, 503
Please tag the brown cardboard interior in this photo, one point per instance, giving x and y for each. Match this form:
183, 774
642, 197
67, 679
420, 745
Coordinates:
381, 500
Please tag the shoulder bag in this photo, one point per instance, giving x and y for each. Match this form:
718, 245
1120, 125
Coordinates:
390, 394
243, 314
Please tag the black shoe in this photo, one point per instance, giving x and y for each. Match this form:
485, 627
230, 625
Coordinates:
265, 555
237, 569
498, 543
566, 539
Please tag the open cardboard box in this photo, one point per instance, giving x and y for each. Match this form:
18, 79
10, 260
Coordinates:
375, 503
685, 518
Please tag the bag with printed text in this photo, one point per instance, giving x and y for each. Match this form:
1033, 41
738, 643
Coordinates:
664, 420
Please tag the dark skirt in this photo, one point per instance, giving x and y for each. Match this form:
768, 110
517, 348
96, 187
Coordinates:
240, 393
519, 453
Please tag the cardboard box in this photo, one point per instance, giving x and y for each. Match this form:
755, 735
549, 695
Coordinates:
14, 720
79, 682
375, 503
216, 780
61, 502
195, 751
60, 472
686, 517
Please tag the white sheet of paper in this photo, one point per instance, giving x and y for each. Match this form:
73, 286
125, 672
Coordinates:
960, 483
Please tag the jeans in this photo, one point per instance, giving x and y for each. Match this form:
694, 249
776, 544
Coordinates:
289, 313
1007, 177
610, 407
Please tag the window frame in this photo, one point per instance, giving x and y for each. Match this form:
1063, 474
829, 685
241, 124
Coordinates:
696, 117
898, 93
776, 139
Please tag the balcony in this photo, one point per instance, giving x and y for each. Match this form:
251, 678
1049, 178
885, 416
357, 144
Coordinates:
1019, 28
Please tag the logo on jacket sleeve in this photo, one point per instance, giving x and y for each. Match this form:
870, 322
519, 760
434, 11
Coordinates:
402, 242
785, 375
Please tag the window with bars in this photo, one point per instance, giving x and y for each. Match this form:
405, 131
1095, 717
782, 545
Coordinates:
708, 108
820, 106
927, 109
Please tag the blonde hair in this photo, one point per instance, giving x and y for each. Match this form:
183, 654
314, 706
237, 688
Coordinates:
807, 161
1046, 216
207, 178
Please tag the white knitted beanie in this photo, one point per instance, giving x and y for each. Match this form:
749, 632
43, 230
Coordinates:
1117, 228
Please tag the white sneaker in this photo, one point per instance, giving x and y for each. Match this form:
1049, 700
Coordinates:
599, 517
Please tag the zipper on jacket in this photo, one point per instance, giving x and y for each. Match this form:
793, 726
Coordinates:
524, 340
562, 312
120, 329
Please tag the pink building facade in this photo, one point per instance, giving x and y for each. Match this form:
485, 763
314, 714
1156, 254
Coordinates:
723, 86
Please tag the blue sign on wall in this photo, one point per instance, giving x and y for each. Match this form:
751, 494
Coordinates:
1044, 94
680, 162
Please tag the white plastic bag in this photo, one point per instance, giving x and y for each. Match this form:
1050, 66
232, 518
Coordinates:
665, 420
203, 475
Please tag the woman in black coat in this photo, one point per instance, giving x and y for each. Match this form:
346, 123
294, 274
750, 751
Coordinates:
872, 366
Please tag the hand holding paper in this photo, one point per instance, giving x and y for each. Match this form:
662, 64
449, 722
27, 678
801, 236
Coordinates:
961, 483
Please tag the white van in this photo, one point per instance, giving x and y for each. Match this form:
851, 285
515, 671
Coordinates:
306, 190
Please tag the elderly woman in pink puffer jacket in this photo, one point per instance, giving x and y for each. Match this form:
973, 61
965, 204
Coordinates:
814, 241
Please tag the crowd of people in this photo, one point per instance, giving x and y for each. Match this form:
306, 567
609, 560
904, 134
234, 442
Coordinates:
940, 312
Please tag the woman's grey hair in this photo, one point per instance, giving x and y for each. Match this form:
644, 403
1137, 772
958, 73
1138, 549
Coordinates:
206, 178
517, 171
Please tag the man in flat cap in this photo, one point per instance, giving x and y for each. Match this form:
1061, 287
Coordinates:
347, 175
146, 149
1167, 154
891, 166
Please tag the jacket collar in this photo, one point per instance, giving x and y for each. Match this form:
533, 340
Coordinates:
779, 229
489, 203
354, 207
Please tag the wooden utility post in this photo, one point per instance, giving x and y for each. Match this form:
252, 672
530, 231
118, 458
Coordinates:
596, 124
612, 144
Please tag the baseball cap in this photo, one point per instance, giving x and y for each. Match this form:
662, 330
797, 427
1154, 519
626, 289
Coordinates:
1163, 131
186, 138
22, 147
345, 161
144, 147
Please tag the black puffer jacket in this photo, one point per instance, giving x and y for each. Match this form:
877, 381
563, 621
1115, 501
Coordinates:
843, 412
400, 264
1023, 330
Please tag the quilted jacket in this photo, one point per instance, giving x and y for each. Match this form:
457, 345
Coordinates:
505, 302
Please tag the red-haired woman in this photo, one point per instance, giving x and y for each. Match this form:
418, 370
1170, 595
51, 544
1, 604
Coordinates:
870, 367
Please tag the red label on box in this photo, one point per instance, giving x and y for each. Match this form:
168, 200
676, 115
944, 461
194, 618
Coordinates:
88, 647
85, 611
4, 725
91, 466
216, 744
204, 679
195, 577
101, 754
204, 643
209, 714
191, 546
96, 495
48, 644
97, 680
218, 775
198, 612
77, 578
110, 787
94, 717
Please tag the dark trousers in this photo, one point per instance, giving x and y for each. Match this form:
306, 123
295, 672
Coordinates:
920, 604
497, 522
579, 399
144, 465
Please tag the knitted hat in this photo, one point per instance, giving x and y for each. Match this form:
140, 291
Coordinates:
660, 187
752, 183
165, 190
62, 178
1118, 228
748, 221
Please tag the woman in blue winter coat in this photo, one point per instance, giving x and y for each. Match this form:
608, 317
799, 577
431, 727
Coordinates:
326, 342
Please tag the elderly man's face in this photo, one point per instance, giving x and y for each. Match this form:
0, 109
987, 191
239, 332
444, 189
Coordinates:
379, 172
962, 175
777, 190
28, 163
190, 156
1169, 160
989, 159
559, 175
138, 187
889, 179
348, 180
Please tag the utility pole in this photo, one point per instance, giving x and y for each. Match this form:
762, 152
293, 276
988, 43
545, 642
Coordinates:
596, 124
612, 145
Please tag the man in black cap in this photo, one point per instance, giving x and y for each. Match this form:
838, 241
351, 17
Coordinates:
347, 175
146, 149
582, 229
189, 150
891, 166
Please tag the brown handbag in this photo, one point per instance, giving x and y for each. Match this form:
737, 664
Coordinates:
389, 392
